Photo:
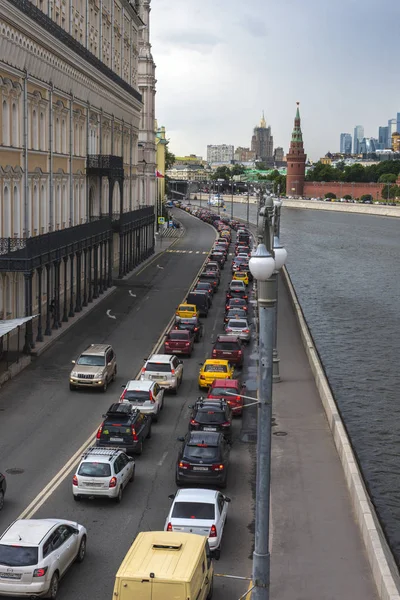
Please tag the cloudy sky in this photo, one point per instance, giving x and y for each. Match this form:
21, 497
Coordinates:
221, 62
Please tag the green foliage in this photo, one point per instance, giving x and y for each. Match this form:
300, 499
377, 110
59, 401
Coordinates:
387, 178
366, 197
347, 197
237, 170
357, 172
260, 166
330, 195
222, 173
169, 159
390, 192
280, 185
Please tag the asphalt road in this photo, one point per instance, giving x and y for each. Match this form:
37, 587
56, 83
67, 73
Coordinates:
44, 424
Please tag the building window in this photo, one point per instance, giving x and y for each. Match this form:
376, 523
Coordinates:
6, 123
7, 212
64, 137
42, 132
15, 126
43, 210
76, 140
36, 210
35, 130
17, 212
64, 206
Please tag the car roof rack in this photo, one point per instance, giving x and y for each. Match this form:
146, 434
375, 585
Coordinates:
95, 451
120, 409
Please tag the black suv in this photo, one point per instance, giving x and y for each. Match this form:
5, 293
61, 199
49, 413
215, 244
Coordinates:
203, 459
236, 290
211, 415
210, 277
193, 324
124, 427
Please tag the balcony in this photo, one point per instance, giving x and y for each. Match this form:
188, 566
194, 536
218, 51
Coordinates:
105, 165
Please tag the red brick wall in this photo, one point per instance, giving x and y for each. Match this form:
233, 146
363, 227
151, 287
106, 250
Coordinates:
355, 190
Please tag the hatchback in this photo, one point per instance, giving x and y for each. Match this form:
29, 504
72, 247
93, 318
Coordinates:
235, 313
203, 458
103, 472
179, 342
230, 390
36, 553
204, 286
199, 511
211, 415
124, 427
239, 328
229, 348
194, 325
236, 303
147, 396
210, 277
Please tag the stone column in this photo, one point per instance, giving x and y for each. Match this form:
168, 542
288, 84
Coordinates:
65, 311
39, 336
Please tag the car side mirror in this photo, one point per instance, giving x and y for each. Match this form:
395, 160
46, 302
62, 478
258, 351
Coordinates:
104, 416
171, 496
200, 398
123, 386
131, 459
75, 531
180, 439
73, 361
227, 499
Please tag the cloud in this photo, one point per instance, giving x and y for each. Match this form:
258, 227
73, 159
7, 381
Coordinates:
195, 40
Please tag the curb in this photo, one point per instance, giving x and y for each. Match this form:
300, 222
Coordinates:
382, 563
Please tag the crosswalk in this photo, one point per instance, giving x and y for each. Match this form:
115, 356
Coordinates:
173, 251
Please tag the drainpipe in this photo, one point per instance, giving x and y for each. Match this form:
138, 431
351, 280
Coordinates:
51, 166
112, 136
130, 54
122, 45
112, 37
87, 24
101, 31
25, 155
71, 153
130, 169
71, 16
87, 152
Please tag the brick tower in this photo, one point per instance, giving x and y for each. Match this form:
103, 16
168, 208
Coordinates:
296, 161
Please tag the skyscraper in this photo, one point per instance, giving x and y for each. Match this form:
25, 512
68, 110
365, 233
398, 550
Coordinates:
392, 128
296, 160
398, 122
358, 136
345, 143
383, 137
262, 142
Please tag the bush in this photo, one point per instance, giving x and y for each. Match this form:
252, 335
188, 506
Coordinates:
347, 197
330, 195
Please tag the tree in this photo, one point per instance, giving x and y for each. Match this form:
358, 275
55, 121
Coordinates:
387, 178
390, 192
238, 170
347, 197
330, 195
261, 166
280, 185
222, 173
169, 159
366, 197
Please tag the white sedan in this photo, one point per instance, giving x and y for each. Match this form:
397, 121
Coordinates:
36, 553
199, 511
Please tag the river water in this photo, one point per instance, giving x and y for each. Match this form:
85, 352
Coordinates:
346, 272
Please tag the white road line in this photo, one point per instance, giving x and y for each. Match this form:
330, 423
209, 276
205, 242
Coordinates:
164, 456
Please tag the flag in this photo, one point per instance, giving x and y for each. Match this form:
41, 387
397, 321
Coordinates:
159, 175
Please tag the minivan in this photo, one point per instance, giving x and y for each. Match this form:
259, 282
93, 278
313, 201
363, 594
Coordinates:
201, 300
166, 565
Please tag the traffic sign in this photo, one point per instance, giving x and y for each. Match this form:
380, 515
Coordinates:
161, 220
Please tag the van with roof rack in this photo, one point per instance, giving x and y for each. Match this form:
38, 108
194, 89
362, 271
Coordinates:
166, 565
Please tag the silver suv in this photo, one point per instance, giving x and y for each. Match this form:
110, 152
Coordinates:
95, 367
147, 396
165, 369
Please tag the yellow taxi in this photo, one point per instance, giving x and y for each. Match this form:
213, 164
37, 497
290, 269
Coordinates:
241, 276
187, 311
214, 368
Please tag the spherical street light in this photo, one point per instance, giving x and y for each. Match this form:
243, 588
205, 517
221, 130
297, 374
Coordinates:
280, 254
262, 264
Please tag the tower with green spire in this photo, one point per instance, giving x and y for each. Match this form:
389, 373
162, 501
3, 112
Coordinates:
296, 160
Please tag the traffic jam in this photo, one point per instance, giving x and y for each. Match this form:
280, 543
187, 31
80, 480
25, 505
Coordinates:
36, 553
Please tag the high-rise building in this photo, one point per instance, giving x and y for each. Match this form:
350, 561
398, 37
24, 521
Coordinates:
262, 142
367, 146
279, 155
392, 128
296, 160
383, 137
219, 153
398, 122
357, 138
244, 155
345, 143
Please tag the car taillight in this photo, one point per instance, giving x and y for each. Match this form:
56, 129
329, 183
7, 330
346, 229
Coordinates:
217, 467
40, 572
143, 370
213, 531
226, 424
169, 527
228, 329
193, 422
246, 330
135, 437
113, 482
74, 480
122, 395
151, 397
244, 297
239, 352
202, 377
183, 465
98, 434
214, 353
172, 371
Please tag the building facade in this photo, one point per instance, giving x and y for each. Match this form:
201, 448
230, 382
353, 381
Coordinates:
243, 155
161, 148
392, 128
296, 160
396, 142
262, 142
345, 143
188, 173
72, 216
357, 138
221, 153
383, 137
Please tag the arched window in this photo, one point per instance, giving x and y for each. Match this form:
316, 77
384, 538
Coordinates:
81, 148
64, 137
58, 207
17, 212
76, 140
15, 125
42, 132
82, 201
76, 204
7, 212
57, 136
43, 210
65, 207
36, 210
6, 123
35, 130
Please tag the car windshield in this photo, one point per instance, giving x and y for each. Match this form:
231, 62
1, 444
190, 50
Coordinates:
236, 313
177, 335
237, 324
238, 302
215, 368
133, 395
209, 415
88, 360
237, 285
18, 556
158, 367
228, 346
185, 308
95, 469
193, 510
222, 391
207, 453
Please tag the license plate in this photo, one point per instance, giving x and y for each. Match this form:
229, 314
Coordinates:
158, 377
200, 468
226, 353
92, 484
209, 429
112, 439
10, 575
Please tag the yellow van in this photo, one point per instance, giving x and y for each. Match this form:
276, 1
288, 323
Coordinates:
166, 565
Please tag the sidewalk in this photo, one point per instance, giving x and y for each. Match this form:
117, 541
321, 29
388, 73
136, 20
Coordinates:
317, 550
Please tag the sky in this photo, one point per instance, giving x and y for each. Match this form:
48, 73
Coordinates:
220, 63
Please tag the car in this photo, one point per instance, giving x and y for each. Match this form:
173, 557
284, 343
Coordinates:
124, 427
230, 390
210, 277
235, 313
244, 255
187, 311
103, 472
36, 553
194, 324
214, 266
166, 369
203, 459
228, 348
211, 415
96, 367
239, 328
242, 250
3, 489
214, 368
241, 276
219, 257
236, 303
236, 289
200, 511
201, 299
204, 286
147, 396
179, 342
238, 262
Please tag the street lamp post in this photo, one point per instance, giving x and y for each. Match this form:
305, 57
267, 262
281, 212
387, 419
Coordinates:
248, 204
232, 198
280, 259
262, 265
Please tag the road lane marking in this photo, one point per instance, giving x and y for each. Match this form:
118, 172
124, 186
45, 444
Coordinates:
65, 471
164, 456
157, 256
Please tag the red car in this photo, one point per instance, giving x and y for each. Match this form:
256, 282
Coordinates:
179, 342
229, 348
219, 389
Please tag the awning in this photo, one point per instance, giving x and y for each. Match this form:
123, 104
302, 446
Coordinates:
11, 324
